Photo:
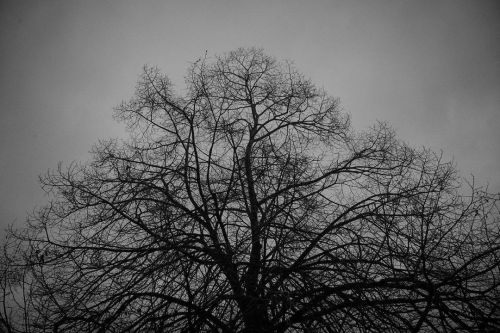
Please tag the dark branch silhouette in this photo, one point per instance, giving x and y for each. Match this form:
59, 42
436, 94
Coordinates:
248, 204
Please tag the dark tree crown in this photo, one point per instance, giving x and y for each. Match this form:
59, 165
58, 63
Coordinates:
249, 204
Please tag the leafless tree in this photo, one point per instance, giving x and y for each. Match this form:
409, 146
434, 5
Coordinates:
14, 293
248, 204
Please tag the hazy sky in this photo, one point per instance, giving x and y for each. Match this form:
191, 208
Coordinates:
429, 68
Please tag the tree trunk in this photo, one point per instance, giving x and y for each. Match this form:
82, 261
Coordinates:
256, 319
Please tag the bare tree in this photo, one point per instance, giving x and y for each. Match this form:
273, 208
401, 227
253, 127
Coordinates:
249, 204
14, 288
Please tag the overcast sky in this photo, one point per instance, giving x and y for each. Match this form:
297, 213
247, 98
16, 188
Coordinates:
429, 68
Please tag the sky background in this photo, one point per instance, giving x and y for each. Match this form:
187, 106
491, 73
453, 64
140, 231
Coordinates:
431, 69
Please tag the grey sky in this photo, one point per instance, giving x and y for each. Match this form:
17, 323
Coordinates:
429, 68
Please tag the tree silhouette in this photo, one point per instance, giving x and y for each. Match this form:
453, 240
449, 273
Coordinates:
248, 204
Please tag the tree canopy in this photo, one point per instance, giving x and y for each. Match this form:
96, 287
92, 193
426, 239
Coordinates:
247, 203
